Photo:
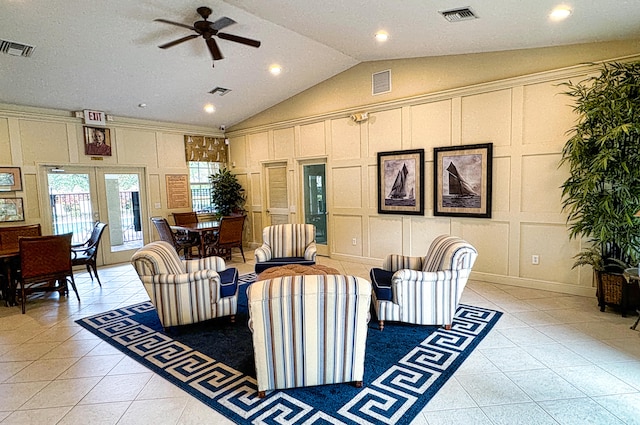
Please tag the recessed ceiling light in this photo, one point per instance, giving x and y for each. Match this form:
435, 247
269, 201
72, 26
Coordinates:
209, 108
382, 36
275, 69
560, 13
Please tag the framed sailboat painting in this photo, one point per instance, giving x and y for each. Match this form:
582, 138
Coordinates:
462, 180
401, 182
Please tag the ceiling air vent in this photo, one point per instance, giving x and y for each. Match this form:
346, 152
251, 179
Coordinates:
456, 15
381, 82
16, 49
220, 90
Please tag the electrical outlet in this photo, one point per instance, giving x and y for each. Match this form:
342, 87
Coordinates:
354, 242
535, 259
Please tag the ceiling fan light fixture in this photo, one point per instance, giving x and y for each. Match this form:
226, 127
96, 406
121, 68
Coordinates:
382, 36
209, 108
275, 69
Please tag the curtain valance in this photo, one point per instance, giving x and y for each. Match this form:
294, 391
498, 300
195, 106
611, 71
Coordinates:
203, 148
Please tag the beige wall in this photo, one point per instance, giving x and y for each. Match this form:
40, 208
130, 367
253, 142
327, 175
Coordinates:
508, 98
30, 137
476, 99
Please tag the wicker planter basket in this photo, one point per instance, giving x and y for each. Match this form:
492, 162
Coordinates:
613, 289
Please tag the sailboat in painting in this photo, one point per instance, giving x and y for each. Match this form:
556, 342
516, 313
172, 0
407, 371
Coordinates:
398, 190
398, 193
457, 185
461, 193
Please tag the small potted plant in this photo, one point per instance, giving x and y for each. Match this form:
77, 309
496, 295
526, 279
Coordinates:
227, 195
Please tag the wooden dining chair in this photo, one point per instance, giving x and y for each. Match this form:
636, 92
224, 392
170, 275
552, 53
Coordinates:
43, 260
9, 240
9, 235
229, 237
85, 254
185, 218
180, 244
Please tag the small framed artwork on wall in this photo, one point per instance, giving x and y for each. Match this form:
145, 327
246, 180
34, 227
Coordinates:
11, 209
462, 180
401, 182
10, 179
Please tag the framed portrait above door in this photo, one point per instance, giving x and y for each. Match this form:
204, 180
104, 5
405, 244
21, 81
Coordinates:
401, 182
462, 180
97, 141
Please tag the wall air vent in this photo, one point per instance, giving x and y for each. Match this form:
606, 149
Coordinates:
16, 49
461, 14
381, 82
220, 90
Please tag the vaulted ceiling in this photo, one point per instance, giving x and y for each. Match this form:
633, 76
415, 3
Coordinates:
104, 55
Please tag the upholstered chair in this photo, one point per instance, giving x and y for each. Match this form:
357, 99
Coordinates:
186, 291
309, 330
286, 244
423, 290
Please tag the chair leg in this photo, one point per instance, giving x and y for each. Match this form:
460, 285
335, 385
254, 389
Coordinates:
89, 270
73, 285
24, 298
262, 394
95, 271
358, 384
447, 327
233, 318
381, 325
242, 252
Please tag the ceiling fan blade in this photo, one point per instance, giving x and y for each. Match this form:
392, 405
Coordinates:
178, 41
222, 23
216, 54
175, 23
238, 39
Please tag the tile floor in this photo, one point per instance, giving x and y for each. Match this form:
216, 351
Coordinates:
551, 359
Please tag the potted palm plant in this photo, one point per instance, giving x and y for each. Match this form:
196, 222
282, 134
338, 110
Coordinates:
602, 193
227, 195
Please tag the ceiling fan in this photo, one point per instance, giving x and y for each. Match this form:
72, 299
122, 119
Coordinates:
208, 30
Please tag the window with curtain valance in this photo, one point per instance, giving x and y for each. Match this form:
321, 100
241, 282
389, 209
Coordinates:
205, 149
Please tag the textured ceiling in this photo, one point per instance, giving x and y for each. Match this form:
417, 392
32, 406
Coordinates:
103, 55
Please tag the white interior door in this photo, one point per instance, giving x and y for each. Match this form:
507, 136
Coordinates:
78, 196
277, 189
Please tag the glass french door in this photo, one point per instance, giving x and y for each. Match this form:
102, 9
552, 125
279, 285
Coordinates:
78, 196
314, 184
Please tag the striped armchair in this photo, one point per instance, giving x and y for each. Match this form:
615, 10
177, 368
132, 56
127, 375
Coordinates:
309, 330
286, 244
423, 290
186, 291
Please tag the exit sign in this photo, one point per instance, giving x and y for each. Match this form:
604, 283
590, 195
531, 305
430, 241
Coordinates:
94, 117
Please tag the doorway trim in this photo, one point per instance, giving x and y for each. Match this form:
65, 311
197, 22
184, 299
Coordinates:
322, 249
43, 198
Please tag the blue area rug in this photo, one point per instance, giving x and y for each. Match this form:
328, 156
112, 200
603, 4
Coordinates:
213, 361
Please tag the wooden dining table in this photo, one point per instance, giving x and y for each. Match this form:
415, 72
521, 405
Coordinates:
202, 228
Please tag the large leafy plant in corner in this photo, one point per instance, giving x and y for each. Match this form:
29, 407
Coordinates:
227, 195
602, 193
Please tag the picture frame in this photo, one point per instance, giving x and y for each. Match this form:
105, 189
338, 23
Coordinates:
10, 179
462, 180
97, 141
11, 209
401, 182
